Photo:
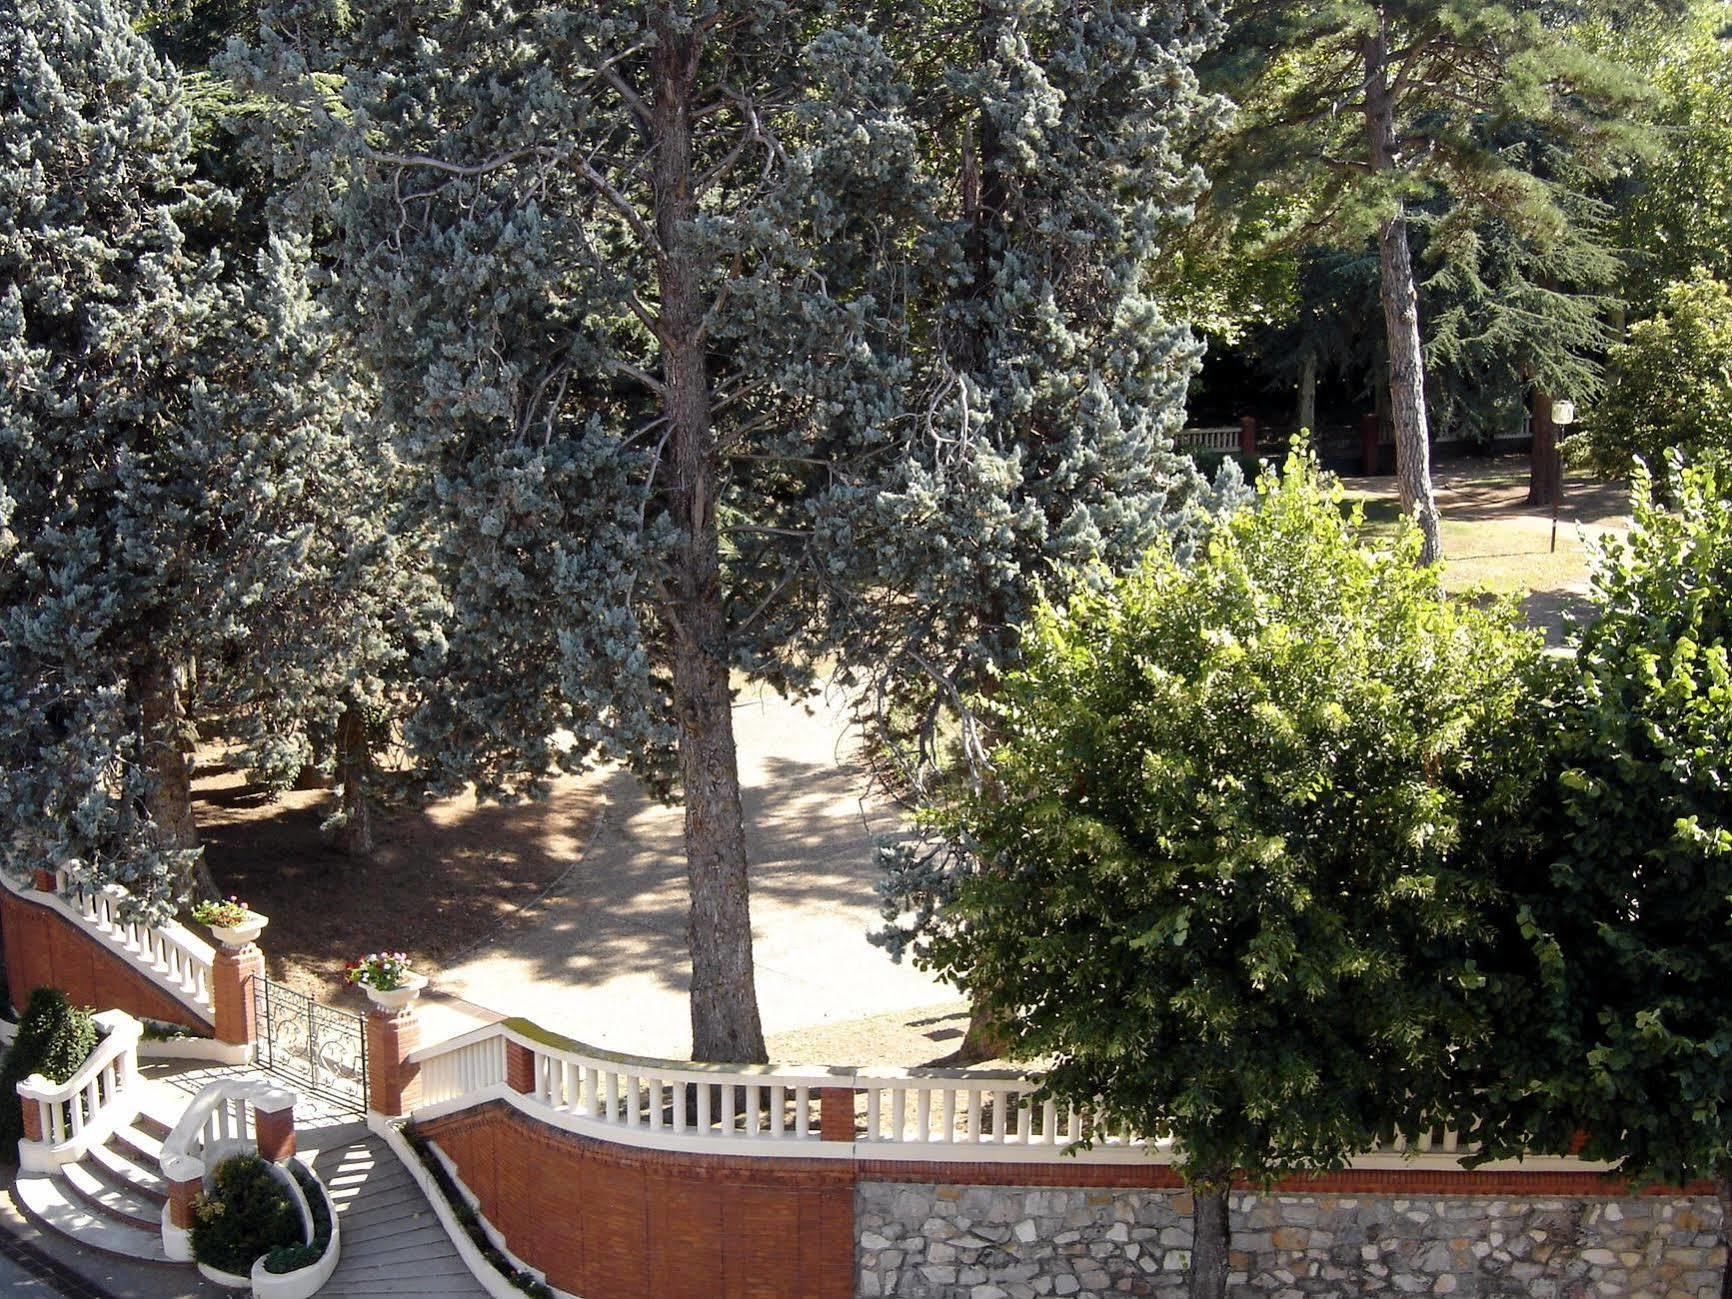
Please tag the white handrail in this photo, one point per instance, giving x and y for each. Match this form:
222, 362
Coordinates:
936, 1115
221, 1121
171, 949
85, 1110
169, 955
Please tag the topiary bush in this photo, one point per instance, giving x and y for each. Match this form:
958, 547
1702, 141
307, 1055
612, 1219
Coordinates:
247, 1213
54, 1039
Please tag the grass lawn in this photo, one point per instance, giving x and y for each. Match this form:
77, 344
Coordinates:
1494, 541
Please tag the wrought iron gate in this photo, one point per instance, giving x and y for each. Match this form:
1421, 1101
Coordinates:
319, 1048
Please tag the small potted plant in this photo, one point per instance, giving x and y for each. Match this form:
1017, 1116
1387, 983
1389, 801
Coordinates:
386, 979
233, 922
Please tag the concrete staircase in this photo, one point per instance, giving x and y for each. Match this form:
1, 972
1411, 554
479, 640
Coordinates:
112, 1199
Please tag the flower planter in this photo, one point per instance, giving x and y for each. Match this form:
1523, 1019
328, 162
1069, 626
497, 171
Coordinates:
396, 998
242, 934
307, 1281
228, 1280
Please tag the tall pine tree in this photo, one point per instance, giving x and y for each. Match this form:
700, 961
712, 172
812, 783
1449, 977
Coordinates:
714, 368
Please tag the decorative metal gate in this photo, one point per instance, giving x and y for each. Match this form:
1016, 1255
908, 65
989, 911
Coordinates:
319, 1048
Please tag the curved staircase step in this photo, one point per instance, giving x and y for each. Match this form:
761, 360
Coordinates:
46, 1199
125, 1205
126, 1168
145, 1150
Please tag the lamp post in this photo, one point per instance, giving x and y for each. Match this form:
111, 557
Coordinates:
1563, 415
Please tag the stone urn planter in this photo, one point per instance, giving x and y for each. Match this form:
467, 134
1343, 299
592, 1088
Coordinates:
242, 934
396, 998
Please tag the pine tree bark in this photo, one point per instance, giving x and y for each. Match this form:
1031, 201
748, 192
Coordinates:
1543, 476
724, 1000
1209, 1239
985, 1039
168, 771
354, 780
1400, 313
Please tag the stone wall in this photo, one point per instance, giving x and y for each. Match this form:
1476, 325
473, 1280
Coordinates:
924, 1241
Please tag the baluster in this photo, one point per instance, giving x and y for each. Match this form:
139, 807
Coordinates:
974, 1114
633, 1101
703, 1109
54, 1127
754, 1110
1049, 1123
679, 1093
1024, 1119
1000, 1120
872, 1107
610, 1090
898, 1113
949, 1115
656, 1115
778, 1115
923, 1116
727, 1111
803, 1112
1073, 1124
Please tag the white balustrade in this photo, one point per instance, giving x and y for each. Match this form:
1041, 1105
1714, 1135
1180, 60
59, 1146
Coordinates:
85, 1110
1223, 438
221, 1121
170, 951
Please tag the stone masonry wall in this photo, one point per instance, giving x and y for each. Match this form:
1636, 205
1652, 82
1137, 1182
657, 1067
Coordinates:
921, 1241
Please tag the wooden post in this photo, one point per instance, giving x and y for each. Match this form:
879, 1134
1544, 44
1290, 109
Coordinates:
1370, 435
1248, 435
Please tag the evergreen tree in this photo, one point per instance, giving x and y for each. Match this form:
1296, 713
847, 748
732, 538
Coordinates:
1366, 109
154, 478
711, 372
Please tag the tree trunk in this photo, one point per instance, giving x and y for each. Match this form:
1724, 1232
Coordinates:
985, 1039
1543, 476
355, 779
1400, 314
1308, 394
168, 771
1723, 1189
724, 999
1209, 1239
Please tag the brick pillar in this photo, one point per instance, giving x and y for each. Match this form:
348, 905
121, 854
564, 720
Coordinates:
46, 881
231, 992
1247, 435
181, 1193
836, 1113
1370, 435
274, 1124
32, 1114
185, 1178
393, 1083
519, 1067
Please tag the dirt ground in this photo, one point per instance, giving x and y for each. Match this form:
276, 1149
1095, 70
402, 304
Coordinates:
1494, 541
442, 878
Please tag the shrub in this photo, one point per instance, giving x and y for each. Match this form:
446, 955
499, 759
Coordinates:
292, 1258
1670, 383
1240, 873
247, 1213
54, 1039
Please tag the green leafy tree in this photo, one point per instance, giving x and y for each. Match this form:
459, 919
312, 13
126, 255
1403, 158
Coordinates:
1241, 872
54, 1038
1364, 110
1631, 1041
712, 368
1670, 383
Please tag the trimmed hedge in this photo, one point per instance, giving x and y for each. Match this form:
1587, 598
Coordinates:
292, 1258
54, 1039
248, 1213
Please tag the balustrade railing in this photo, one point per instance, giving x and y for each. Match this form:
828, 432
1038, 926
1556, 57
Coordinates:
63, 1120
172, 951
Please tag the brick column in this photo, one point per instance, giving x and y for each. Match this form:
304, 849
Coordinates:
836, 1113
46, 881
185, 1178
32, 1112
519, 1067
274, 1124
231, 992
393, 1083
1247, 435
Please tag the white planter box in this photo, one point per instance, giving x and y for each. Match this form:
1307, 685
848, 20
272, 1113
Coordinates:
396, 998
240, 935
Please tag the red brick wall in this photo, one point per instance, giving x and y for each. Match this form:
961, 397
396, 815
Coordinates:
44, 949
613, 1222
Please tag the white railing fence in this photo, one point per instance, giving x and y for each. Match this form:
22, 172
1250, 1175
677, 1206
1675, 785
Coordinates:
85, 1110
1223, 438
883, 1114
170, 950
221, 1121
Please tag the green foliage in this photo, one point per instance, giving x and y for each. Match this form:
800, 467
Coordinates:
1240, 874
1634, 934
54, 1039
247, 1212
1671, 384
470, 1220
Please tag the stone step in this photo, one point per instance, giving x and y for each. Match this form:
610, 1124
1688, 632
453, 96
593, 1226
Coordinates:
142, 1148
127, 1168
47, 1200
129, 1207
151, 1125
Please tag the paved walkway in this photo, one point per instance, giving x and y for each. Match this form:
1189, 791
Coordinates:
603, 958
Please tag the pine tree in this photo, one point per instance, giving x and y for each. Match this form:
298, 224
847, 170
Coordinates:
670, 301
1366, 109
154, 474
